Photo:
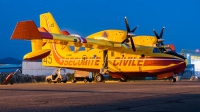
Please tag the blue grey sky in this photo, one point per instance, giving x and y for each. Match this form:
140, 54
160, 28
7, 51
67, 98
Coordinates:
180, 17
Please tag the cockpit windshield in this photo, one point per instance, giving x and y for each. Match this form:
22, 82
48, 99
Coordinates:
156, 50
161, 49
168, 49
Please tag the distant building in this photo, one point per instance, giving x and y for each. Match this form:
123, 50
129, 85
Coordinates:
7, 68
193, 58
36, 69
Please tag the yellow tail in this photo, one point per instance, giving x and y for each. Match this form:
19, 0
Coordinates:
47, 21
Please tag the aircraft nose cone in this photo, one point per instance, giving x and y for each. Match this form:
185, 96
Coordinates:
176, 54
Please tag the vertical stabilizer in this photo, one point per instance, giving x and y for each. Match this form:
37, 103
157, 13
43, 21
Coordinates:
47, 21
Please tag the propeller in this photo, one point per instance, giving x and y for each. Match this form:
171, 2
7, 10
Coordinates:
159, 38
129, 34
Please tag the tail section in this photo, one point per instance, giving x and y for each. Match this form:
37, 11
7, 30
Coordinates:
47, 21
27, 30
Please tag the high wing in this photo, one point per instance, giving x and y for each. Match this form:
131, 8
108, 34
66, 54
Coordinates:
27, 30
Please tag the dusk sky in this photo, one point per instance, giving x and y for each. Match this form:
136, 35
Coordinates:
181, 19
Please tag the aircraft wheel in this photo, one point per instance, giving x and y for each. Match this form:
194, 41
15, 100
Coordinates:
99, 78
90, 80
85, 80
173, 80
59, 80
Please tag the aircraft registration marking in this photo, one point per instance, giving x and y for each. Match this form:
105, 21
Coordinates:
79, 61
130, 61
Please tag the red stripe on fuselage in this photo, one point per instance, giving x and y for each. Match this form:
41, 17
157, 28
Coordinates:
161, 61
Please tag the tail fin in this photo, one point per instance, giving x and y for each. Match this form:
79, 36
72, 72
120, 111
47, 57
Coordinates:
47, 21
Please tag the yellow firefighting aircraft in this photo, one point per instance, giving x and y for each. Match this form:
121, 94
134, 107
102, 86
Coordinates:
115, 52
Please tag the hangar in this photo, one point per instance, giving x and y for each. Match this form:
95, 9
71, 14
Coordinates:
36, 69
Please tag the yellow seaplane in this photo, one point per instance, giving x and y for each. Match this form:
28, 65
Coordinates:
118, 53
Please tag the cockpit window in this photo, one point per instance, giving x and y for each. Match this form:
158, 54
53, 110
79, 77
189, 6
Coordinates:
156, 50
162, 50
165, 49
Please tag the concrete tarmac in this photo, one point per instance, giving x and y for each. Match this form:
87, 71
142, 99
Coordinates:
138, 96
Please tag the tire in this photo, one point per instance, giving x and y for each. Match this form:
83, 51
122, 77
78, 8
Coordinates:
85, 80
90, 80
58, 80
11, 82
73, 80
173, 80
99, 78
49, 81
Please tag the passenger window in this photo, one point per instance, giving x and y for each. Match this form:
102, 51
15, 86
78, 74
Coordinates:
156, 50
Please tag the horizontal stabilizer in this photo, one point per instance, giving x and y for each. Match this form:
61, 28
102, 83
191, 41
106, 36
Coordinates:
27, 30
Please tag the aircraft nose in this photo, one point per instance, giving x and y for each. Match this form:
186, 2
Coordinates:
186, 62
176, 54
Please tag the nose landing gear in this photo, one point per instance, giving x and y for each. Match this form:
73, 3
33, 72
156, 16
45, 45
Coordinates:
172, 79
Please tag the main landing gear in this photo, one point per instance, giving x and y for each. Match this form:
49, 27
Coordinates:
99, 78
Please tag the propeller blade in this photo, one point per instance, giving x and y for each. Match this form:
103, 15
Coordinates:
161, 33
125, 39
134, 29
127, 25
133, 46
156, 34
